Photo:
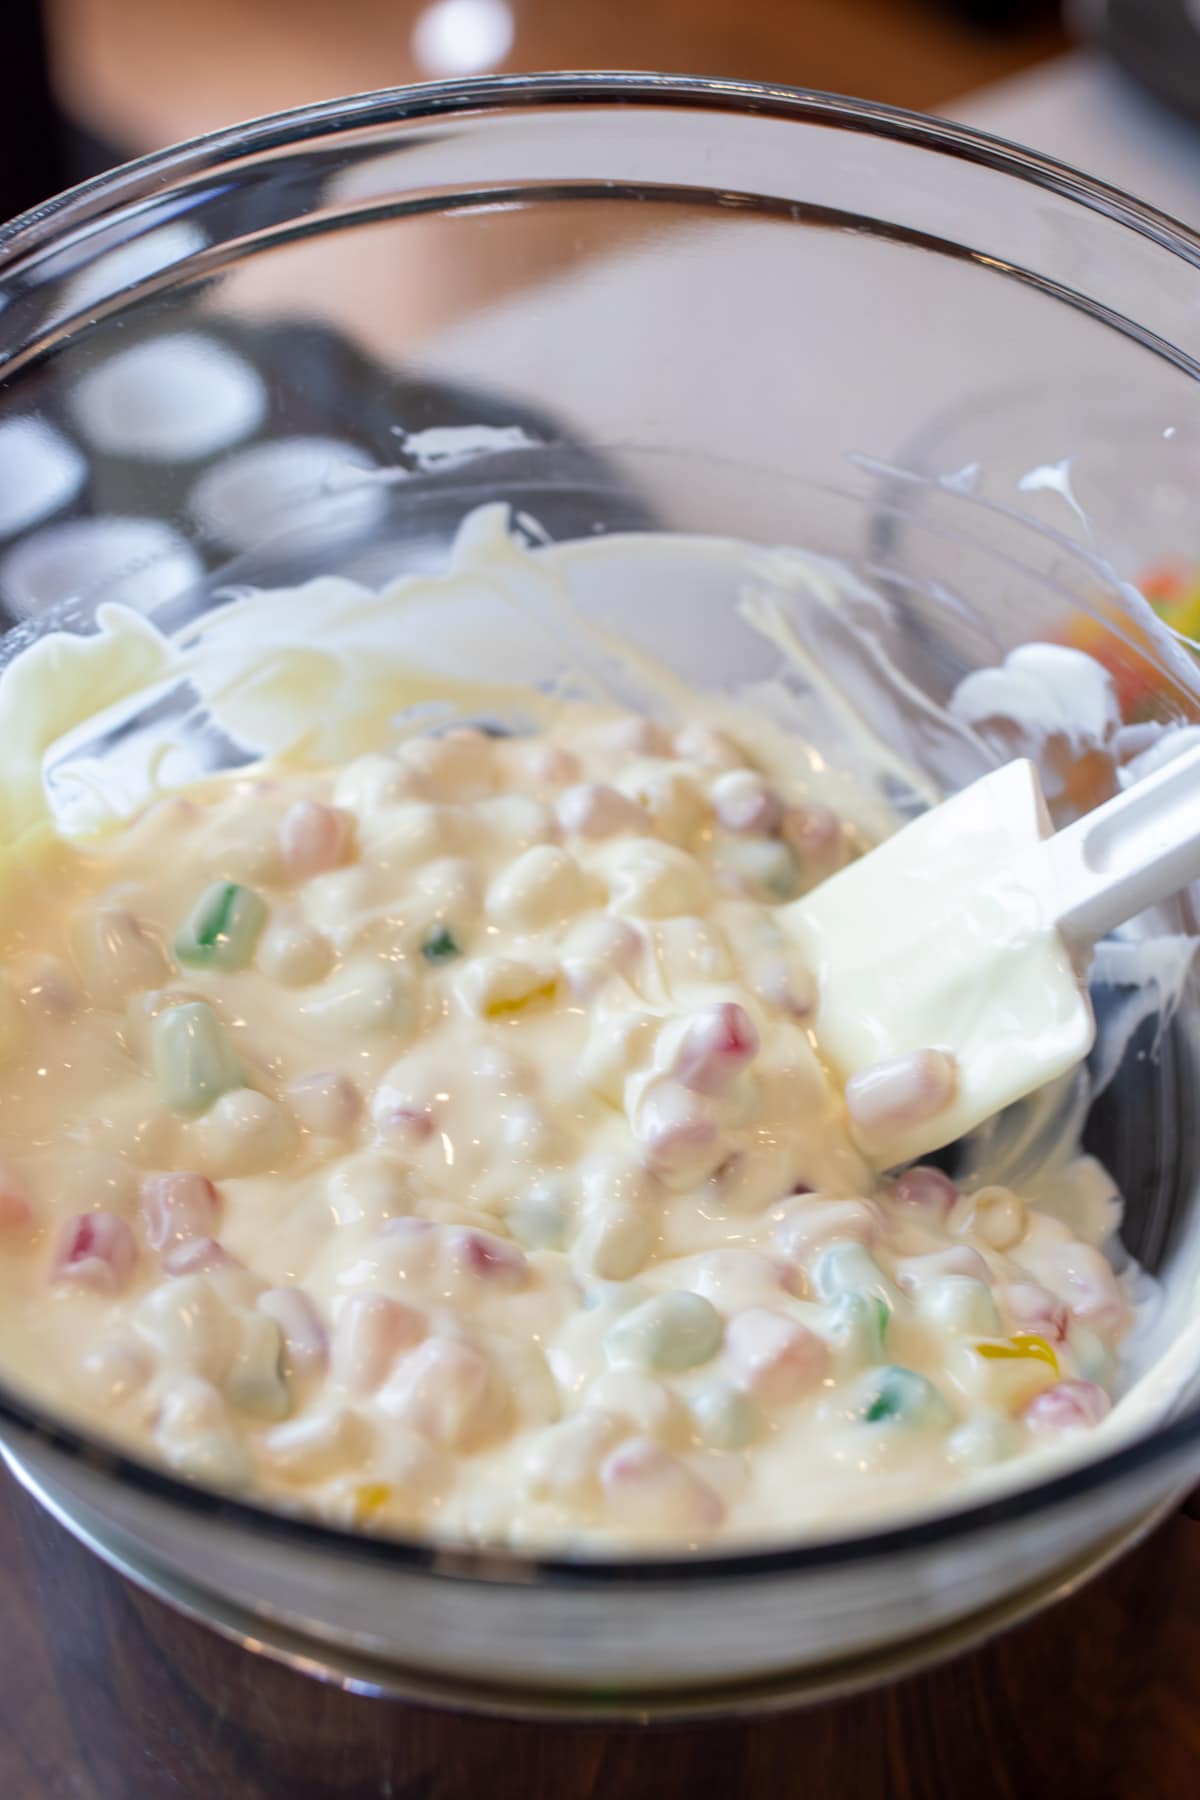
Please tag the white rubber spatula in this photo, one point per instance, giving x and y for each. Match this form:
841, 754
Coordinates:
969, 934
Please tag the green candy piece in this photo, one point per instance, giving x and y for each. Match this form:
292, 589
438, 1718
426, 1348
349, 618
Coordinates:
538, 1218
726, 1419
441, 946
903, 1395
850, 1269
222, 928
672, 1332
256, 1383
194, 1063
859, 1327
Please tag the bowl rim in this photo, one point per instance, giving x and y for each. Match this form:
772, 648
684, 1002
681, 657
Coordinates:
149, 177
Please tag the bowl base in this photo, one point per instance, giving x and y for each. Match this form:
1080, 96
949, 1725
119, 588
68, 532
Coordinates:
360, 1673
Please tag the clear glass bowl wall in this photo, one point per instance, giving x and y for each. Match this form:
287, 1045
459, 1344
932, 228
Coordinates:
682, 305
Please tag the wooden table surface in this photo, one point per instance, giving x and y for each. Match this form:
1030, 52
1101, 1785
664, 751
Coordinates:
105, 1695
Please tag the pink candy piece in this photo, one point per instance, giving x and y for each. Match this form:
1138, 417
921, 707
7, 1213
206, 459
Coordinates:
813, 832
959, 1259
644, 1485
677, 1131
894, 1096
325, 1103
636, 737
304, 1333
925, 1187
404, 1124
1032, 1308
441, 1390
777, 1358
197, 1256
15, 1210
806, 1225
1084, 1279
493, 1259
714, 749
1068, 1406
743, 802
96, 1250
369, 1333
313, 838
717, 1047
593, 810
176, 1207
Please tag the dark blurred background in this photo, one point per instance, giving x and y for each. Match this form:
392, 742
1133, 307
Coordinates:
88, 82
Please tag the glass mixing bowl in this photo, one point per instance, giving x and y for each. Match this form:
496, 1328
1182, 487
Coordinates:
617, 302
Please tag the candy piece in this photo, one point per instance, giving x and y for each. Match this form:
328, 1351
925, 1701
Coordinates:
761, 867
716, 1047
891, 1097
256, 1383
743, 802
678, 1132
615, 1240
1023, 1344
314, 838
243, 1133
926, 1188
672, 1331
981, 1441
443, 1390
325, 1103
369, 1333
1068, 1406
176, 1207
904, 1396
318, 1445
593, 810
645, 1405
1032, 1308
488, 1258
998, 1216
193, 1061
673, 799
859, 1328
501, 987
366, 995
774, 1356
188, 1327
305, 1340
538, 1218
95, 1250
647, 1488
809, 1224
563, 1461
120, 956
222, 929
725, 1417
915, 1272
195, 1256
441, 945
851, 1269
960, 1304
294, 953
543, 885
1081, 1275
16, 1213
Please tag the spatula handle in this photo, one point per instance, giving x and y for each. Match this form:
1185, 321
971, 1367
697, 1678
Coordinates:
1138, 848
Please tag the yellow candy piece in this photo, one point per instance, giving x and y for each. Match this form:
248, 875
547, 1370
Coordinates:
1023, 1344
538, 996
370, 1497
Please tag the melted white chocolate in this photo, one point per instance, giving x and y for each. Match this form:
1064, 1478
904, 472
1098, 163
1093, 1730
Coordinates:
494, 1187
